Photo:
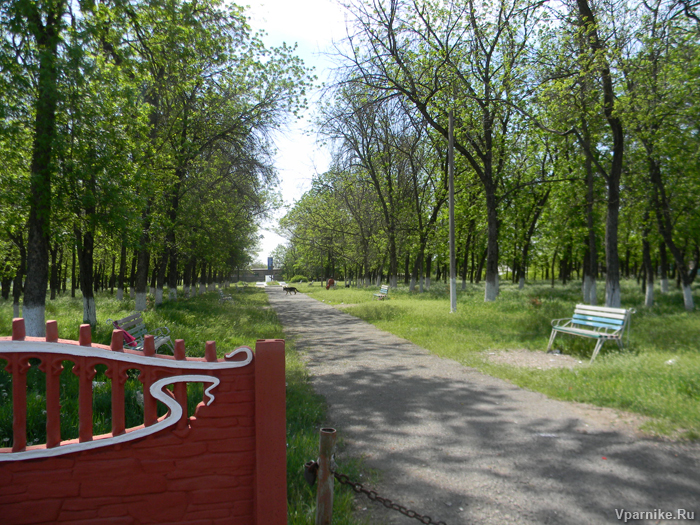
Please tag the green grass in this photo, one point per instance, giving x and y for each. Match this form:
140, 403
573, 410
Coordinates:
638, 379
203, 318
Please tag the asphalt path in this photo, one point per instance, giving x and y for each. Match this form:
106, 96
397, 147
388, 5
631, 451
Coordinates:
462, 447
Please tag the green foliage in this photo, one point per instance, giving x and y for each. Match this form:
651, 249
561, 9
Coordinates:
162, 140
297, 279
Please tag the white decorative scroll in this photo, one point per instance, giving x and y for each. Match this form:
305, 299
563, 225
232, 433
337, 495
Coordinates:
34, 347
157, 392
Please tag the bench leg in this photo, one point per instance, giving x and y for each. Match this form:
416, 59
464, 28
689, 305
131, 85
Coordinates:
551, 340
598, 346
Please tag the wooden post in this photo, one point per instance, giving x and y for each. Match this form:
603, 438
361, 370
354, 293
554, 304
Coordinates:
324, 494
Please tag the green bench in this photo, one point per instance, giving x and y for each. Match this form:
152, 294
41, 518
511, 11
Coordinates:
595, 322
224, 297
135, 326
383, 292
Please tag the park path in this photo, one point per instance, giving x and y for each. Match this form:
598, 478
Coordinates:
463, 447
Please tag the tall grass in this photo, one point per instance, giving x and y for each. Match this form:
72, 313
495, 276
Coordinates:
241, 321
657, 375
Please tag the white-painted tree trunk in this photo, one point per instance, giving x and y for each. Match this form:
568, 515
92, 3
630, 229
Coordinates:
589, 290
649, 296
140, 304
612, 296
491, 291
664, 285
152, 290
687, 300
120, 294
89, 311
132, 293
172, 294
427, 283
412, 285
202, 288
521, 283
15, 310
34, 320
421, 284
159, 296
379, 280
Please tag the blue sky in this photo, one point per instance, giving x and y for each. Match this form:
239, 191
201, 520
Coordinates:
313, 25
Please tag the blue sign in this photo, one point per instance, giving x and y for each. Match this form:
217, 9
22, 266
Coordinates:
269, 264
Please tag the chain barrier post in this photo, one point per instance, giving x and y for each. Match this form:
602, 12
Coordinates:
324, 494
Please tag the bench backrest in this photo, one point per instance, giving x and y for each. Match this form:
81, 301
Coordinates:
133, 324
600, 317
384, 288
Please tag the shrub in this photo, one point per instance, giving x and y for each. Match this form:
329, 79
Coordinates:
298, 279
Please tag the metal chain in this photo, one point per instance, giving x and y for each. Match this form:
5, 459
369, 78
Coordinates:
372, 495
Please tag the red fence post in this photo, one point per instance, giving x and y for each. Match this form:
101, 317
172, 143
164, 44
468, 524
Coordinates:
18, 367
180, 389
270, 433
147, 377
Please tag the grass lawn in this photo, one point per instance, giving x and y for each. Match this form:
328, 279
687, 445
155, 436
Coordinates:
657, 375
197, 320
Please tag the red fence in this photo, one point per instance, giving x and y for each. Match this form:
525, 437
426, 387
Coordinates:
224, 465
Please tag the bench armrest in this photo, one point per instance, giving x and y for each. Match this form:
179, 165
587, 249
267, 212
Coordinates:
556, 323
163, 331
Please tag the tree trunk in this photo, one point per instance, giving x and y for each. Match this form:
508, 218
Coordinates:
203, 278
491, 291
612, 262
85, 245
112, 276
46, 28
143, 261
122, 273
665, 223
465, 260
73, 277
160, 278
62, 271
53, 281
663, 263
132, 275
648, 267
428, 270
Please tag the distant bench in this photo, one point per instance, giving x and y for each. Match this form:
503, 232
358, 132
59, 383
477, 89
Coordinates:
595, 322
136, 328
383, 292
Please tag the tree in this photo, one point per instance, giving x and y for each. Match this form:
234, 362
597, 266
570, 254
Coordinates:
466, 57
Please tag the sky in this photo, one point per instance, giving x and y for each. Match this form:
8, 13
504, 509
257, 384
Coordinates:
313, 25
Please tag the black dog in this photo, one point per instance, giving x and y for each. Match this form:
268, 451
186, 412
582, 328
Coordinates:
289, 289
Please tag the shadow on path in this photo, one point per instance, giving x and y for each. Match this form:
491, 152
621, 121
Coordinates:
464, 447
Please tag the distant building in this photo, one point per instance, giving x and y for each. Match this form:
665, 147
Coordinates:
254, 275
